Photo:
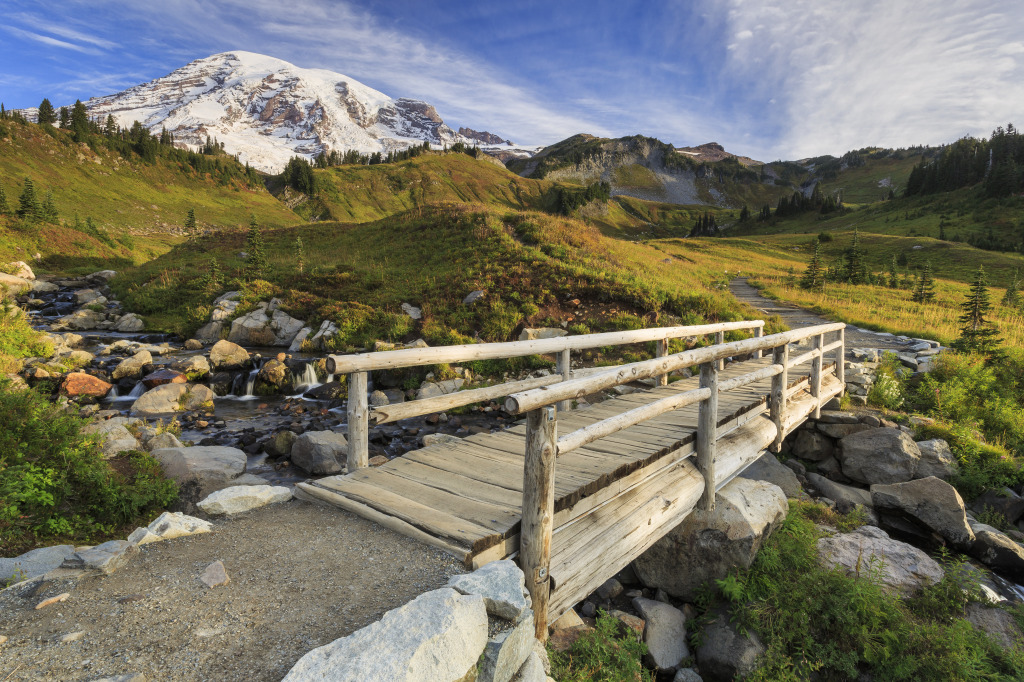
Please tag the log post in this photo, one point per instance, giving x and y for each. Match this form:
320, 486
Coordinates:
758, 333
538, 512
719, 340
564, 367
707, 433
358, 422
841, 360
818, 342
661, 351
777, 407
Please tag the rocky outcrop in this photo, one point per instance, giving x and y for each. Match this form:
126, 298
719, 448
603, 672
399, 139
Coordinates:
131, 368
999, 553
105, 558
225, 355
879, 455
725, 653
708, 546
223, 308
274, 377
201, 470
81, 384
170, 398
267, 325
931, 504
936, 459
320, 452
903, 568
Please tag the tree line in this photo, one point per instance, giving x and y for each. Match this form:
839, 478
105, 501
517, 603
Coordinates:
996, 165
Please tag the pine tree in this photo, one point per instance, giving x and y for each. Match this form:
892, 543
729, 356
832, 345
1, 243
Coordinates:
256, 265
1011, 299
191, 232
48, 211
28, 203
814, 278
977, 334
924, 291
80, 121
46, 116
4, 207
65, 117
214, 273
300, 255
110, 128
894, 279
855, 268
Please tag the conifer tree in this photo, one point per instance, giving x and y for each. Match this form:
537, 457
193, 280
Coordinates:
46, 116
894, 279
977, 333
79, 121
924, 291
48, 211
191, 233
215, 275
813, 277
300, 255
4, 207
65, 117
855, 268
1011, 299
110, 128
28, 203
256, 264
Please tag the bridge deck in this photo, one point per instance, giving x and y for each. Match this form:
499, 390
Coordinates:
615, 496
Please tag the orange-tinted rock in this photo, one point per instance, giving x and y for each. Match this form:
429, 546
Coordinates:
80, 383
163, 376
562, 640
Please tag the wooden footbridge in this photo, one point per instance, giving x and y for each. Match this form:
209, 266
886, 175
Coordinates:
575, 495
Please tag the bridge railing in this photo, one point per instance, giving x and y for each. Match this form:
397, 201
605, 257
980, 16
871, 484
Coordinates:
544, 446
357, 367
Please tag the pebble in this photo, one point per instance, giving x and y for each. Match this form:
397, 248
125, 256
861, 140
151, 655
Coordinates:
53, 600
73, 636
3, 640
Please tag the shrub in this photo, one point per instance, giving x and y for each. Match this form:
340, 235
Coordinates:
888, 389
602, 655
18, 339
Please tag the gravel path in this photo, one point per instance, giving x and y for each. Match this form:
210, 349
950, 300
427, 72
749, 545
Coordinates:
797, 317
302, 575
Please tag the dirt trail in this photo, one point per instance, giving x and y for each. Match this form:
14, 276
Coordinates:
302, 575
797, 317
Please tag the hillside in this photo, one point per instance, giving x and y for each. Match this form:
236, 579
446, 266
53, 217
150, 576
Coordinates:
137, 207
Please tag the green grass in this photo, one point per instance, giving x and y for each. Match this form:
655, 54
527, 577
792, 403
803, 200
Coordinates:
18, 340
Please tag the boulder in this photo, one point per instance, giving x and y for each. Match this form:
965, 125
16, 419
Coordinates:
838, 417
320, 452
75, 358
812, 445
274, 377
999, 553
725, 653
163, 440
225, 355
687, 675
507, 651
885, 455
14, 285
84, 296
242, 498
434, 389
280, 444
904, 568
529, 334
82, 384
936, 459
36, 562
332, 390
168, 526
201, 470
1004, 502
131, 368
41, 287
996, 623
160, 401
769, 468
708, 546
838, 492
129, 323
320, 339
163, 376
473, 297
296, 345
930, 503
195, 367
116, 438
664, 633
265, 326
412, 311
105, 558
438, 636
500, 583
20, 269
193, 344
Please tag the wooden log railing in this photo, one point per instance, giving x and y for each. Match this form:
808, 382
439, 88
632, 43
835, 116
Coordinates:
357, 367
543, 445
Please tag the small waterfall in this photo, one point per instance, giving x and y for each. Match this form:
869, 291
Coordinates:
113, 395
250, 383
308, 379
136, 391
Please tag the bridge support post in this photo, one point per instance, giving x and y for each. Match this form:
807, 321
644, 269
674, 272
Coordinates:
841, 360
661, 351
780, 382
758, 333
707, 433
719, 340
564, 367
815, 378
538, 512
358, 422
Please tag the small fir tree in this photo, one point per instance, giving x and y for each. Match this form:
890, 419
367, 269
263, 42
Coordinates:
191, 231
214, 273
46, 115
924, 291
813, 277
977, 333
300, 254
65, 117
855, 268
894, 278
28, 203
1011, 299
256, 265
48, 211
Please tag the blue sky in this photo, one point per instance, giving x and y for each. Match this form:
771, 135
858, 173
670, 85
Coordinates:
766, 78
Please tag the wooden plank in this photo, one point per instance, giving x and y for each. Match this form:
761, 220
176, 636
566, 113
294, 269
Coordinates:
538, 513
455, 483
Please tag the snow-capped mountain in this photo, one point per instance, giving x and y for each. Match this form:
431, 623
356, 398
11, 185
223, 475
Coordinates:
266, 110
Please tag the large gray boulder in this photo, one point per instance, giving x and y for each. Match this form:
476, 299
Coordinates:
904, 569
115, 437
438, 636
664, 633
36, 562
708, 546
82, 319
129, 322
812, 445
996, 623
725, 653
506, 652
242, 498
265, 326
320, 452
884, 455
769, 468
225, 355
201, 470
837, 492
999, 553
1001, 501
131, 368
936, 459
501, 584
931, 504
171, 398
105, 558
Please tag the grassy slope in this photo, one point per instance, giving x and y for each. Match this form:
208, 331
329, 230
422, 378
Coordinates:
122, 197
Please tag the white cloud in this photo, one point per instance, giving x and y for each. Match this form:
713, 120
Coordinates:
891, 73
47, 40
60, 30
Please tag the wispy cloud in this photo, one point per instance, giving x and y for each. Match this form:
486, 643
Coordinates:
47, 40
47, 26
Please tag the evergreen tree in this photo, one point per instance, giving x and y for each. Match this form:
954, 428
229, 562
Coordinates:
4, 207
300, 254
814, 278
924, 291
214, 273
894, 279
46, 116
28, 203
80, 121
855, 268
48, 211
65, 117
110, 128
744, 214
977, 334
256, 265
1011, 299
191, 231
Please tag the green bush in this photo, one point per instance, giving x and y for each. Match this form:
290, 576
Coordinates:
980, 465
603, 655
55, 483
888, 391
18, 339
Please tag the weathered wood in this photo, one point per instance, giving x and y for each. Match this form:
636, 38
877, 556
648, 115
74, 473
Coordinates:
538, 513
831, 347
567, 390
563, 367
707, 433
624, 420
841, 358
719, 340
752, 377
758, 333
410, 357
801, 359
777, 404
660, 351
815, 380
416, 408
358, 422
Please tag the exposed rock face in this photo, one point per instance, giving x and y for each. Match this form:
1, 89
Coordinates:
195, 367
727, 654
21, 269
769, 468
928, 502
129, 323
1004, 501
438, 636
1000, 553
708, 546
14, 285
501, 584
936, 459
79, 384
884, 455
506, 652
905, 569
997, 623
265, 326
320, 452
226, 355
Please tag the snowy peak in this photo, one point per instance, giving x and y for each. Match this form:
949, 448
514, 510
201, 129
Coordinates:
266, 110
